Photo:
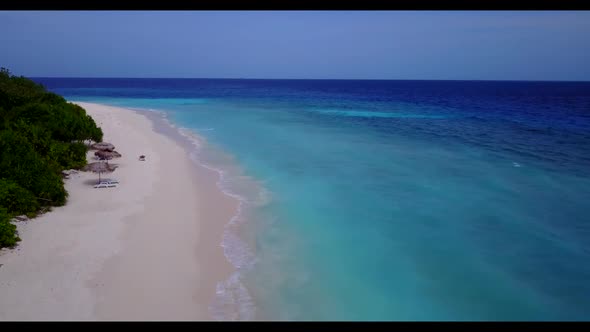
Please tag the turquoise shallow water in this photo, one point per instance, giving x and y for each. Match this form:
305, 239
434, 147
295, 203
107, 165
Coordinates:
390, 200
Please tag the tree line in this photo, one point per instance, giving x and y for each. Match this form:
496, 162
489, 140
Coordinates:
41, 134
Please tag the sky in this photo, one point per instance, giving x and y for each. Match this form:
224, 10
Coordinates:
454, 45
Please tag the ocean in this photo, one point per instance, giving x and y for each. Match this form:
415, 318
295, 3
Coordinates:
388, 200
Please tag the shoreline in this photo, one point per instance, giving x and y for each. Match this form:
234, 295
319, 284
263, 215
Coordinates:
233, 300
149, 249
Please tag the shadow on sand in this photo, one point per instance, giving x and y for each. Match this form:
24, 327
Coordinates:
90, 182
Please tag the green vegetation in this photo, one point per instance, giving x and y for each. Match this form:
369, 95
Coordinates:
8, 237
41, 134
16, 199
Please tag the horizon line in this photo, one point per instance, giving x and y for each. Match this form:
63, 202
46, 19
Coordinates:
311, 79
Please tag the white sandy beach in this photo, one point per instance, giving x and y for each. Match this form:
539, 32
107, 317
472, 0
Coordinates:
146, 250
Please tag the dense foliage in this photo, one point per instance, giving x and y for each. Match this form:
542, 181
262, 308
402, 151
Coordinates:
8, 237
17, 199
41, 134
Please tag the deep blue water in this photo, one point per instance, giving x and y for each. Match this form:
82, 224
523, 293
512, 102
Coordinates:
392, 200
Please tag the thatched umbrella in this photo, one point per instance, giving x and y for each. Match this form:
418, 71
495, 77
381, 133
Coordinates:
107, 154
103, 146
99, 167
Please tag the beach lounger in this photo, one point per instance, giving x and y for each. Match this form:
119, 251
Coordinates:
106, 184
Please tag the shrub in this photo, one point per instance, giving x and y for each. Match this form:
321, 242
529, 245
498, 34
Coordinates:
20, 163
8, 234
17, 200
